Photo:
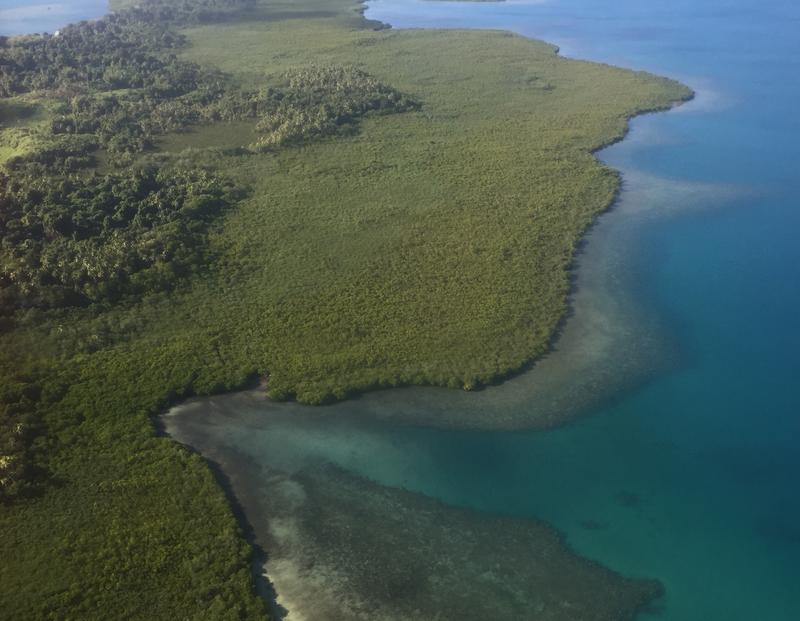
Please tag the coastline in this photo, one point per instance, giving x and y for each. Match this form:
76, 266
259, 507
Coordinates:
540, 349
539, 381
598, 325
653, 437
176, 451
565, 338
555, 338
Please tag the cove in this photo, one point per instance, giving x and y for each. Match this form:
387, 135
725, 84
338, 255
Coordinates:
680, 356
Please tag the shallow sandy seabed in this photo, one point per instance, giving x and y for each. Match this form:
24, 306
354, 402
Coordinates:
342, 548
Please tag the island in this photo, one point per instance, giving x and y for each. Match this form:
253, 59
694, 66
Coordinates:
198, 195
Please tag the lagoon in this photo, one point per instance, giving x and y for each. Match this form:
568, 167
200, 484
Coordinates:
680, 356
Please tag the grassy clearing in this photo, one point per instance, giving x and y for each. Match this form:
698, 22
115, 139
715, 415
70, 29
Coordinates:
430, 246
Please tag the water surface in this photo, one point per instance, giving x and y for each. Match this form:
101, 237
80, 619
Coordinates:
685, 323
26, 17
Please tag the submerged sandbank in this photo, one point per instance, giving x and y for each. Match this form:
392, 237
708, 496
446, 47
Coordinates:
665, 483
340, 547
309, 515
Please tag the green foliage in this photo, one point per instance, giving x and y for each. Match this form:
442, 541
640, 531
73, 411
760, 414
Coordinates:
78, 241
118, 84
19, 427
61, 155
115, 52
324, 100
117, 80
131, 48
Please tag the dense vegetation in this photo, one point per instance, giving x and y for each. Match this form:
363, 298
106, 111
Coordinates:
117, 83
324, 100
429, 247
117, 80
75, 241
112, 86
119, 51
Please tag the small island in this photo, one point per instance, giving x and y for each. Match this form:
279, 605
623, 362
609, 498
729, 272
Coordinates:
196, 195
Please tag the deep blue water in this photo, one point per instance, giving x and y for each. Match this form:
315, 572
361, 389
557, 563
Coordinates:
691, 476
23, 17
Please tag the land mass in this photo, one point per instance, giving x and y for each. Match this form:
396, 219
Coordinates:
196, 195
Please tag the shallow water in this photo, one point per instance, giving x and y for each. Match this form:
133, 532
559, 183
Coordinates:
25, 16
692, 477
687, 294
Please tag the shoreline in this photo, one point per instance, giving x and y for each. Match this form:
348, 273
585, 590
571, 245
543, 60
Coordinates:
555, 347
551, 346
268, 579
557, 335
593, 204
266, 585
549, 372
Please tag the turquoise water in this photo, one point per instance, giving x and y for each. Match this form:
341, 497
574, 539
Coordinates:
686, 468
709, 448
689, 473
23, 17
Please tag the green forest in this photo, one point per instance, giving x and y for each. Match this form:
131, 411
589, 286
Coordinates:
197, 194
